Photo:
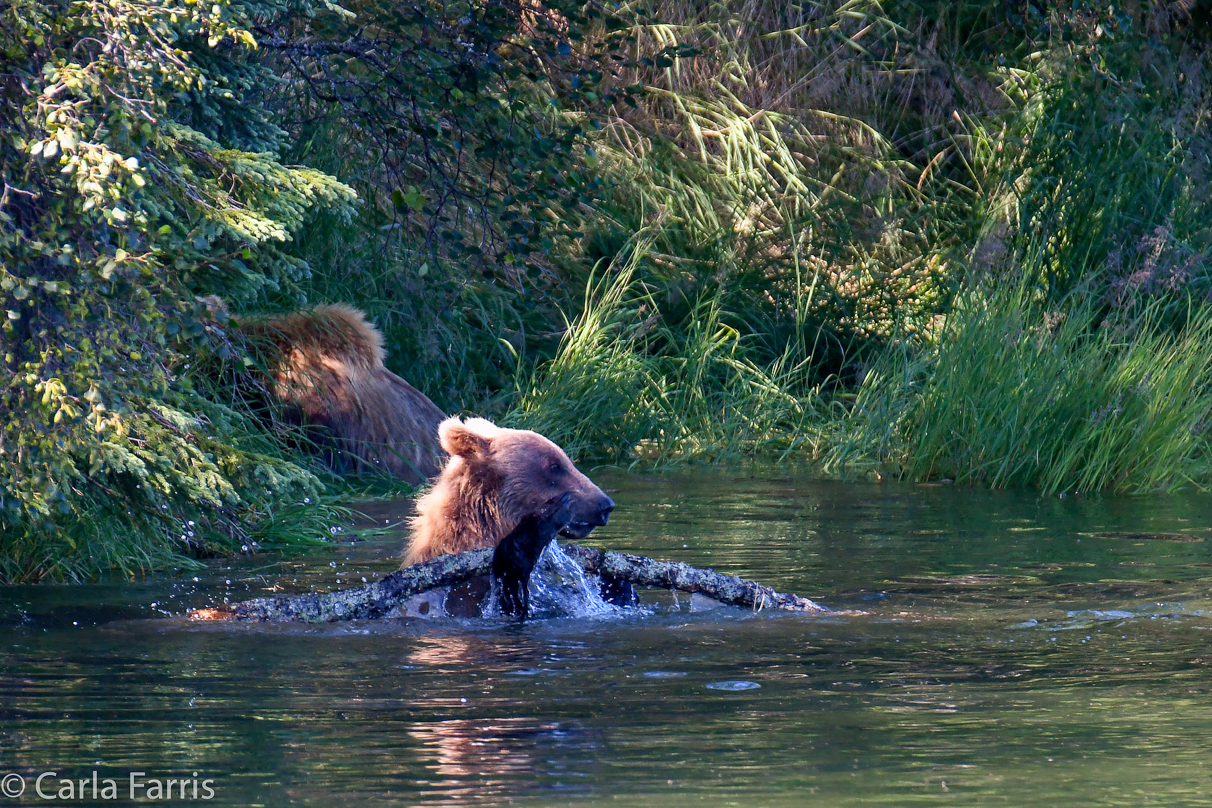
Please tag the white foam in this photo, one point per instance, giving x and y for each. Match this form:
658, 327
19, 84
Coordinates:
559, 587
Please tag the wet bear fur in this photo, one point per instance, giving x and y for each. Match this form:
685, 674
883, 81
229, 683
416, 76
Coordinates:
326, 366
498, 481
494, 478
519, 551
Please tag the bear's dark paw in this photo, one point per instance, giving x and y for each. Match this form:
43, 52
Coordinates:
519, 551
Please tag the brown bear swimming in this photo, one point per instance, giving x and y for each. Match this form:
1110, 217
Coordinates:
494, 479
326, 365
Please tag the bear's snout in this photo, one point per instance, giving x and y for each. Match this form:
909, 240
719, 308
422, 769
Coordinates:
604, 509
592, 510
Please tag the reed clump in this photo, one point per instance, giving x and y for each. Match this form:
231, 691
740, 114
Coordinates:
1016, 393
937, 241
624, 385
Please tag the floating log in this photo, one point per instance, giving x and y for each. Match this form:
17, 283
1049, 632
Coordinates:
385, 598
643, 571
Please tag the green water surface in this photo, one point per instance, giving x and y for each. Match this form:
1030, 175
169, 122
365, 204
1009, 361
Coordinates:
1012, 653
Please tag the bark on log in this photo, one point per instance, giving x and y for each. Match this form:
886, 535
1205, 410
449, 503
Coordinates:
728, 589
384, 598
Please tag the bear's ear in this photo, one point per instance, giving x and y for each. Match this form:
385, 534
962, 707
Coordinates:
460, 441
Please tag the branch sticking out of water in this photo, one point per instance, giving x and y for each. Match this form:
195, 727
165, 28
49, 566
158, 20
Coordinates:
385, 597
728, 589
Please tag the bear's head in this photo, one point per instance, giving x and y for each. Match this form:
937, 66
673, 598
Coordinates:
525, 470
493, 479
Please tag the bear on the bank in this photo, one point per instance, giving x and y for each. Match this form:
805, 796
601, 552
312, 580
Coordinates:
495, 478
326, 366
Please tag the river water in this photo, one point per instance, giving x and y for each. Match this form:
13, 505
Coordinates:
1016, 650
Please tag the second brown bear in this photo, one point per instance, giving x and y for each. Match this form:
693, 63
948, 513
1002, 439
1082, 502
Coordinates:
326, 366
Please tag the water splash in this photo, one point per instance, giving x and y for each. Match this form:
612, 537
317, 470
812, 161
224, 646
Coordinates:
559, 587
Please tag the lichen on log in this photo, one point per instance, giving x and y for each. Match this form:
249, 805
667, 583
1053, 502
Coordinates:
729, 589
385, 598
382, 598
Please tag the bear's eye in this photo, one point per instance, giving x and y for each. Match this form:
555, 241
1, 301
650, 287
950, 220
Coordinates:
555, 468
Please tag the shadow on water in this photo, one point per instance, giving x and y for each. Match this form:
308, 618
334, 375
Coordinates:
1017, 650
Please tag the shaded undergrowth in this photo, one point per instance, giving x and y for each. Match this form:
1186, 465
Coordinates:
961, 240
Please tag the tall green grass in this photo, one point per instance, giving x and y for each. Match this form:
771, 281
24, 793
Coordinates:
1063, 399
624, 386
802, 167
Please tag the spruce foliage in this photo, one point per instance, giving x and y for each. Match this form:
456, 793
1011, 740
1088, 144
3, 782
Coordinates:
139, 170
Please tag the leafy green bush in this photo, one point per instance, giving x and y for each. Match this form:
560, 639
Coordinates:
151, 155
138, 171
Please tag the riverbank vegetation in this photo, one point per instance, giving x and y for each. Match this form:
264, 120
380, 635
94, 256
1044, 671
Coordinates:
917, 239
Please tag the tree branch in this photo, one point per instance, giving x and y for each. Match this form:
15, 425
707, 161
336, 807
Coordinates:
384, 598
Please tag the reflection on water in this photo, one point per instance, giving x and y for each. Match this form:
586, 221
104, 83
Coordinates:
1017, 650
